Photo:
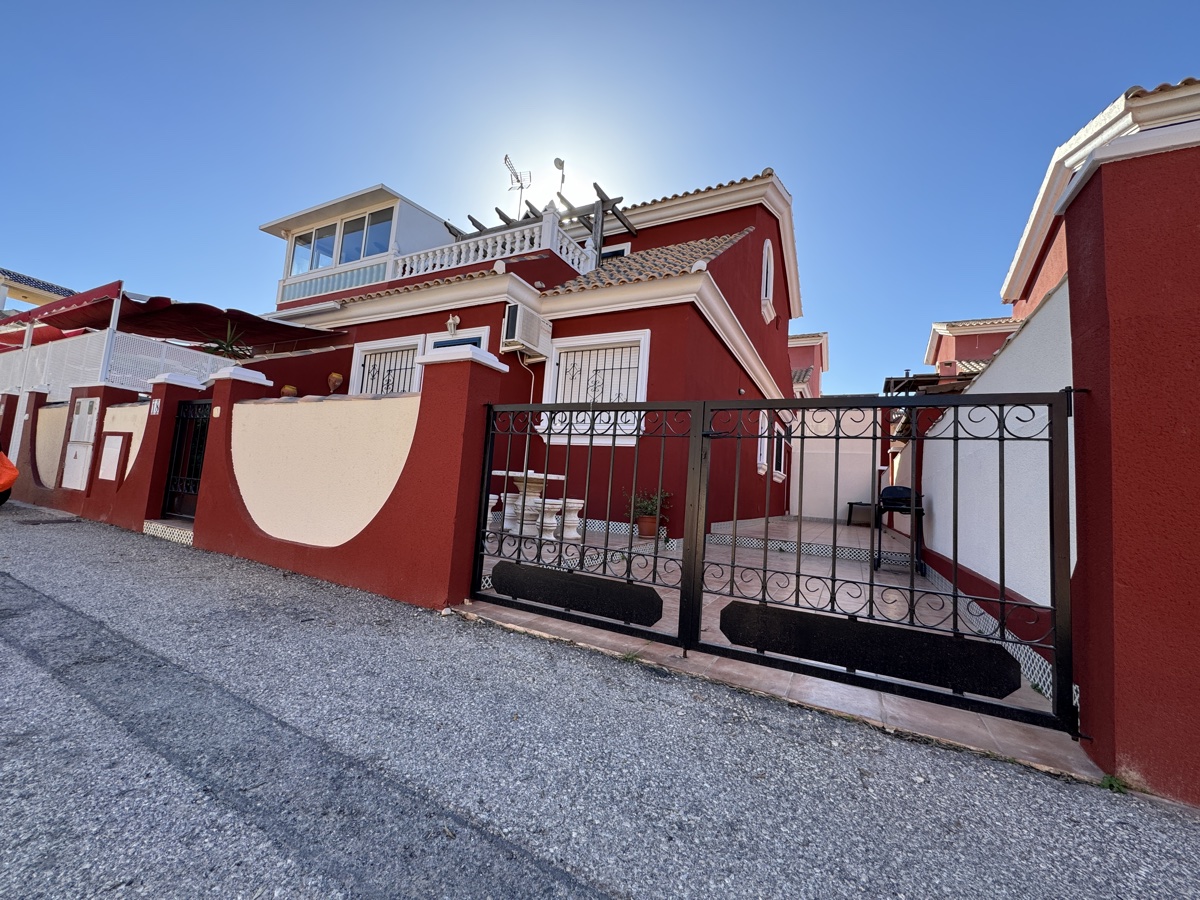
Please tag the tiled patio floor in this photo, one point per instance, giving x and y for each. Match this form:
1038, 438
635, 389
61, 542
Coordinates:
753, 568
1042, 748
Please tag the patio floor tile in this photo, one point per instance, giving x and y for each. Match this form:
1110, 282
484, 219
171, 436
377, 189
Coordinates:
1042, 747
947, 723
836, 697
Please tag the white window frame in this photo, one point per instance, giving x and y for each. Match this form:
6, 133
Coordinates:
627, 434
612, 248
768, 283
413, 341
340, 224
483, 332
782, 446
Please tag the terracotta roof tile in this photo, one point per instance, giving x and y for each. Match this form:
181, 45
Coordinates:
765, 173
647, 265
968, 323
1138, 91
408, 288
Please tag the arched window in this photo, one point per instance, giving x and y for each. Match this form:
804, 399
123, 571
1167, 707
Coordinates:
768, 283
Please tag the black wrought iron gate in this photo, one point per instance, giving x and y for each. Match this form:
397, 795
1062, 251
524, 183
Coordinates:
915, 545
187, 459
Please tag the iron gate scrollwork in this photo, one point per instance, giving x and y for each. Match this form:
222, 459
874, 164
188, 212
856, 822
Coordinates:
187, 458
956, 587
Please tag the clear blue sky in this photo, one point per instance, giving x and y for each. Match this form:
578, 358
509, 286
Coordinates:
148, 141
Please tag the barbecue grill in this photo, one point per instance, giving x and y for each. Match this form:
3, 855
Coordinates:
899, 499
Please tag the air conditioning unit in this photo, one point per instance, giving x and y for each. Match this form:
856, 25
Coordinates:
525, 331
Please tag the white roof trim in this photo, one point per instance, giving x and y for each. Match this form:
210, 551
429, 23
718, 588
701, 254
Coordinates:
1144, 143
378, 195
698, 288
1126, 115
941, 329
821, 338
767, 190
433, 298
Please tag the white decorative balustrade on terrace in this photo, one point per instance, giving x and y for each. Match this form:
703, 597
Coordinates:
529, 237
72, 362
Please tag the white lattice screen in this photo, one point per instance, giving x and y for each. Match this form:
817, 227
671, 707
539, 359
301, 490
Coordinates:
12, 363
137, 359
75, 361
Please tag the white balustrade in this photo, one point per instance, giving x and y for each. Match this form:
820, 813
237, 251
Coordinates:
547, 234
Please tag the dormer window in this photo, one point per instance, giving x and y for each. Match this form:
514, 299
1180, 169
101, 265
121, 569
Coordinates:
347, 241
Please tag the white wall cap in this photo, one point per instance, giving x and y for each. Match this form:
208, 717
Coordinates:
177, 379
461, 353
238, 373
1131, 146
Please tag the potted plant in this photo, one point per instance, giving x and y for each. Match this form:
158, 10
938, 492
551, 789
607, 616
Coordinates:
647, 508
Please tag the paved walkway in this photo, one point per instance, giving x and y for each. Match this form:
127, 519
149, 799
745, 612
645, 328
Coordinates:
1042, 748
179, 724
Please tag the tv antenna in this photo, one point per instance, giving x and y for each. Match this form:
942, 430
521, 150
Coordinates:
517, 181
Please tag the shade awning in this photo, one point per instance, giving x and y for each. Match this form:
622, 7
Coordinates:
162, 317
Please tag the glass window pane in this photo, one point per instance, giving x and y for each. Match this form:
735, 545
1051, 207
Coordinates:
323, 247
379, 232
352, 240
302, 253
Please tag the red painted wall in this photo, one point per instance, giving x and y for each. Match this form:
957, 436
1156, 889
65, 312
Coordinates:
1050, 268
8, 415
1135, 267
309, 373
133, 498
30, 487
804, 356
404, 553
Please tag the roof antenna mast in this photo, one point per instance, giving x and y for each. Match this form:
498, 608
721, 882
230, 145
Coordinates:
517, 181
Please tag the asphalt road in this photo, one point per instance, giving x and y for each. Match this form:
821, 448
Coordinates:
181, 724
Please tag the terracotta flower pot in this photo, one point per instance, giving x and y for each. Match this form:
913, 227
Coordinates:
647, 526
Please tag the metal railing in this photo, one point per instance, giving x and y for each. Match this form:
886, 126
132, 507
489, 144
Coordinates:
959, 592
524, 237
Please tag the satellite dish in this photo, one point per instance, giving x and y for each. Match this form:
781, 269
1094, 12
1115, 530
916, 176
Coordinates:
558, 164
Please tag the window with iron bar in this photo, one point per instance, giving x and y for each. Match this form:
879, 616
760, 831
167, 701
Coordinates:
598, 375
388, 371
599, 370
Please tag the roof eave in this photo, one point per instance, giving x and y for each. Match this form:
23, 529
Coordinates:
333, 209
766, 189
1132, 111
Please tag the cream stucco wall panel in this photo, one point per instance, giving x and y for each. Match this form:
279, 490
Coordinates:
1037, 359
854, 459
131, 418
317, 473
48, 442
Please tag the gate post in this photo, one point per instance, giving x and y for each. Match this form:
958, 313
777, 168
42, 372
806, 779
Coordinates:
691, 583
1132, 295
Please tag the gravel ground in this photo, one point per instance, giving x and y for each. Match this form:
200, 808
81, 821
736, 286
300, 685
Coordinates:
177, 724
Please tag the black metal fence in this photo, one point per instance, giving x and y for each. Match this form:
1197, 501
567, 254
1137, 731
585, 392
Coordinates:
916, 545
